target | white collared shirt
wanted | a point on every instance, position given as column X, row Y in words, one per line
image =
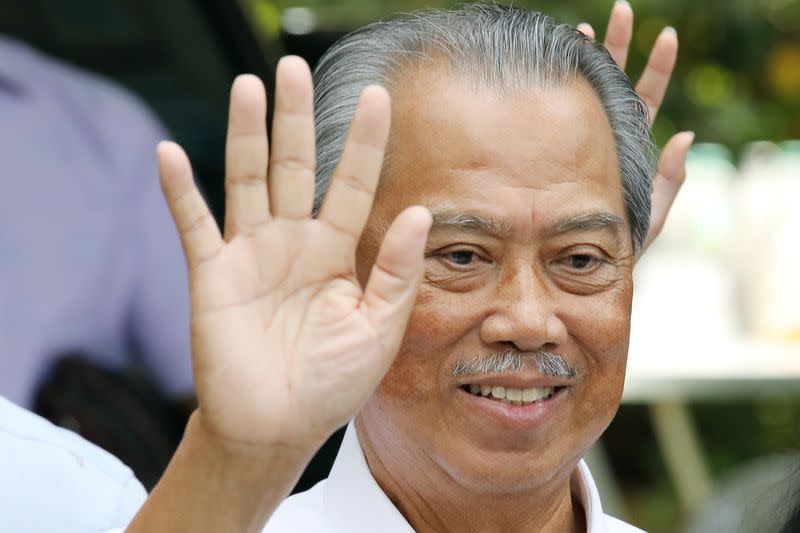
column 53, row 480
column 350, row 501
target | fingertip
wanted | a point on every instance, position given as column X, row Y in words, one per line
column 294, row 91
column 247, row 81
column 687, row 138
column 668, row 36
column 162, row 155
column 249, row 91
column 248, row 105
column 173, row 165
column 169, row 154
column 684, row 140
column 293, row 65
column 422, row 215
column 586, row 29
column 162, row 147
column 376, row 99
column 419, row 218
column 416, row 221
column 403, row 247
column 673, row 158
column 622, row 7
column 379, row 91
column 372, row 117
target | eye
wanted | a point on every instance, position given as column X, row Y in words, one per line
column 459, row 267
column 581, row 264
column 461, row 257
column 580, row 261
column 585, row 270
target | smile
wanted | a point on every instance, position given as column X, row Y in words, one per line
column 511, row 395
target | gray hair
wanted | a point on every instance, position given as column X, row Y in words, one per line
column 504, row 48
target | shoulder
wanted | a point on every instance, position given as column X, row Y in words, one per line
column 20, row 427
column 82, row 486
column 97, row 105
column 301, row 512
column 33, row 70
column 616, row 525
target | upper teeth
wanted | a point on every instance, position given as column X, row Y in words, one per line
column 517, row 396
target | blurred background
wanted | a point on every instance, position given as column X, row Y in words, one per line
column 708, row 436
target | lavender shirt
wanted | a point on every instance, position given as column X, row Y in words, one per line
column 89, row 258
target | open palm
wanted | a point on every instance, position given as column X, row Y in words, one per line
column 285, row 344
column 651, row 87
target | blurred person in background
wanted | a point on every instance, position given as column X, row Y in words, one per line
column 54, row 481
column 95, row 321
column 792, row 524
column 296, row 319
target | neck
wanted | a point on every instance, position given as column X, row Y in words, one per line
column 431, row 500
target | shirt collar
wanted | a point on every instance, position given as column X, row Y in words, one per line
column 355, row 502
column 583, row 481
column 353, row 499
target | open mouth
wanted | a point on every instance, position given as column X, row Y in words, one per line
column 510, row 395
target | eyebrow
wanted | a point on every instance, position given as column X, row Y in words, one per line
column 443, row 219
column 588, row 222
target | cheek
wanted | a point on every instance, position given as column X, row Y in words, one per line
column 433, row 335
column 602, row 326
column 603, row 339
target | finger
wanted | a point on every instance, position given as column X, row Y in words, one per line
column 349, row 198
column 619, row 32
column 668, row 181
column 292, row 162
column 653, row 84
column 246, row 203
column 586, row 29
column 392, row 286
column 198, row 231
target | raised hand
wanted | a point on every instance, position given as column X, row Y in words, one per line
column 285, row 344
column 651, row 88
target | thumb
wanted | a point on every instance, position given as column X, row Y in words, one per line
column 392, row 286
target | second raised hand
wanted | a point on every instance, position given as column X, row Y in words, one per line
column 286, row 345
column 651, row 87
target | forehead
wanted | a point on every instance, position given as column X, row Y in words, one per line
column 452, row 141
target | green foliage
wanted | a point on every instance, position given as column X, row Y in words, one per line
column 738, row 73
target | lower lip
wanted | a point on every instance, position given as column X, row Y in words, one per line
column 515, row 417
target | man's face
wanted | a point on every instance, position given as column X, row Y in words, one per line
column 530, row 251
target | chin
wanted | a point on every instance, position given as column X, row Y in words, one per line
column 508, row 472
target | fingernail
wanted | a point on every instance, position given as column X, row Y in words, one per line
column 621, row 3
column 286, row 59
column 691, row 137
column 670, row 29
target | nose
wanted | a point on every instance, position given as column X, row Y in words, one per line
column 523, row 313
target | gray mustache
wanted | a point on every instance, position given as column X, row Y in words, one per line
column 509, row 361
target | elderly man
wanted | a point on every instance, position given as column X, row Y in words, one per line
column 490, row 249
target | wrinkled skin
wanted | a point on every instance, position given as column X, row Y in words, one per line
column 483, row 293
